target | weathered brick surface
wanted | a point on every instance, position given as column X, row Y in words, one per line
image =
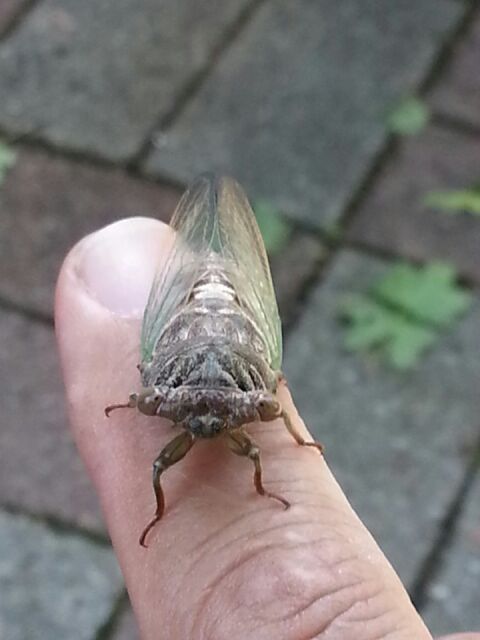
column 454, row 594
column 48, row 203
column 458, row 91
column 127, row 628
column 292, row 268
column 296, row 108
column 394, row 216
column 393, row 439
column 41, row 470
column 96, row 76
column 53, row 585
column 8, row 10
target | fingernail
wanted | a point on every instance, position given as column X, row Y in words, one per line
column 117, row 264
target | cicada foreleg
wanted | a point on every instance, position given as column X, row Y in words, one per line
column 269, row 408
column 172, row 453
column 241, row 445
column 296, row 435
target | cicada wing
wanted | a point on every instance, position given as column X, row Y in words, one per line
column 174, row 280
column 214, row 219
column 242, row 246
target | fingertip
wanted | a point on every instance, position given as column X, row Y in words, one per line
column 114, row 267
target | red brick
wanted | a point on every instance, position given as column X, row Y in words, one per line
column 41, row 470
column 8, row 9
column 458, row 92
column 47, row 204
column 394, row 217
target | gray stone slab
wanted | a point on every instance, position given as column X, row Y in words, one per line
column 458, row 91
column 53, row 586
column 292, row 268
column 47, row 204
column 394, row 217
column 127, row 628
column 455, row 592
column 296, row 109
column 394, row 440
column 96, row 76
column 40, row 469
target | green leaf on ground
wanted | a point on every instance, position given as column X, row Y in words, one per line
column 404, row 312
column 409, row 117
column 7, row 160
column 275, row 230
column 454, row 202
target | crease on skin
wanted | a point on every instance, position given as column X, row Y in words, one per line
column 399, row 632
column 203, row 604
column 211, row 589
column 208, row 545
column 324, row 595
column 319, row 595
column 281, row 546
column 337, row 616
column 247, row 536
column 253, row 514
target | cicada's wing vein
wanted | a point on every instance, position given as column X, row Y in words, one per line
column 175, row 279
column 242, row 245
column 214, row 220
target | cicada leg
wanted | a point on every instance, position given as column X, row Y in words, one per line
column 297, row 437
column 281, row 379
column 172, row 453
column 241, row 445
column 131, row 404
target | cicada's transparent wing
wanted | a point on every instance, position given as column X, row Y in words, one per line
column 174, row 280
column 241, row 244
column 215, row 221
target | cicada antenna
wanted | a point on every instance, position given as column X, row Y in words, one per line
column 131, row 404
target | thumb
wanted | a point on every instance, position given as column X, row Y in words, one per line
column 223, row 562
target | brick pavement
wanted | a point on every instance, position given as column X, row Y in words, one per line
column 294, row 106
column 9, row 11
column 453, row 601
column 304, row 139
column 394, row 216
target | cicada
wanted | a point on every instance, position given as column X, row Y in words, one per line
column 211, row 345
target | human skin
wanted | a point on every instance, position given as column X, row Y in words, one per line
column 224, row 562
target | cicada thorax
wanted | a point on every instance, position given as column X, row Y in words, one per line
column 210, row 358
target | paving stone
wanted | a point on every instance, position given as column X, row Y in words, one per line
column 291, row 270
column 296, row 108
column 453, row 604
column 53, row 586
column 394, row 216
column 9, row 9
column 97, row 76
column 127, row 628
column 41, row 470
column 47, row 203
column 393, row 439
column 458, row 92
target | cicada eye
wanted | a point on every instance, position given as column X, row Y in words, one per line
column 148, row 401
column 268, row 408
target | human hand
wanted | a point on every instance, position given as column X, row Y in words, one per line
column 223, row 562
